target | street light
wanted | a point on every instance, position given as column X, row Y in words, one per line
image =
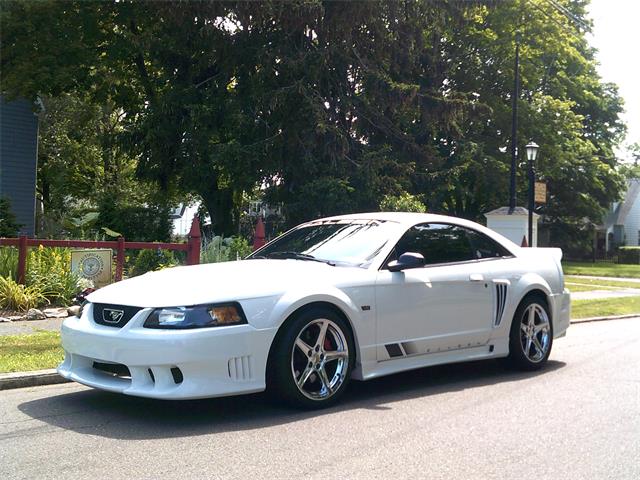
column 532, row 153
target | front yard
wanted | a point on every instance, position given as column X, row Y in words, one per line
column 601, row 269
column 605, row 307
column 35, row 351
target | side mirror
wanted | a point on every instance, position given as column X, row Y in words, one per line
column 407, row 260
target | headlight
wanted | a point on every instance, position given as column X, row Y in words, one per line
column 196, row 317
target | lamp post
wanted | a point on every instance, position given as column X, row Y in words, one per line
column 532, row 153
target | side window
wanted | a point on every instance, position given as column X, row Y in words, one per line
column 485, row 247
column 437, row 242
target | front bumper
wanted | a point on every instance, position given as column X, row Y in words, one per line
column 560, row 313
column 212, row 362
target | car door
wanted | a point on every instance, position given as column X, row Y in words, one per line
column 445, row 305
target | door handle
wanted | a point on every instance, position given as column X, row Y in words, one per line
column 476, row 277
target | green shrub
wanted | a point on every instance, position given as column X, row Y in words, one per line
column 135, row 223
column 220, row 249
column 629, row 255
column 151, row 260
column 8, row 225
column 49, row 269
column 8, row 262
column 20, row 297
column 240, row 248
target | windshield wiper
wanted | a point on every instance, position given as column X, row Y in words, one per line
column 298, row 256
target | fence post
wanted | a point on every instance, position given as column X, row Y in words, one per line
column 258, row 238
column 120, row 259
column 22, row 259
column 193, row 251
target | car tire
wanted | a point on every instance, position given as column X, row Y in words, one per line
column 309, row 370
column 531, row 334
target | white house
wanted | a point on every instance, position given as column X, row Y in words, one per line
column 621, row 225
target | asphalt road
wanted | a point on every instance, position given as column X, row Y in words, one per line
column 579, row 418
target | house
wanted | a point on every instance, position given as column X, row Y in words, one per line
column 621, row 225
column 18, row 160
column 182, row 216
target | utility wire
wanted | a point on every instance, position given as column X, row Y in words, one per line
column 568, row 14
column 551, row 17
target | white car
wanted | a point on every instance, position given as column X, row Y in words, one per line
column 349, row 297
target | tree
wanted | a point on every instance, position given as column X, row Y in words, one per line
column 404, row 202
column 329, row 106
column 563, row 105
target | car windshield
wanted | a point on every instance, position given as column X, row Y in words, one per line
column 349, row 242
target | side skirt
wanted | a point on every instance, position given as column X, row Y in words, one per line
column 496, row 348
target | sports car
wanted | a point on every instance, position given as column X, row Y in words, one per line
column 351, row 297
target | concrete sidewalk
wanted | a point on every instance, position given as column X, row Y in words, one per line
column 594, row 277
column 602, row 294
column 21, row 327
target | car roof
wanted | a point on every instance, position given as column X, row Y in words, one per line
column 409, row 219
column 405, row 218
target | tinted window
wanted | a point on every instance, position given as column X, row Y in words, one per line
column 485, row 247
column 438, row 243
column 353, row 242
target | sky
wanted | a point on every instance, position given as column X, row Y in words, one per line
column 616, row 35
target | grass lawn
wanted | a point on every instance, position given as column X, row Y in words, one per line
column 601, row 269
column 581, row 287
column 605, row 307
column 576, row 283
column 35, row 351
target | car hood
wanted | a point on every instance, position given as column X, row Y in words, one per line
column 219, row 282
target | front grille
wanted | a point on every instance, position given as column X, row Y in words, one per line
column 113, row 315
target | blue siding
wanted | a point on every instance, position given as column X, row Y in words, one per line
column 18, row 160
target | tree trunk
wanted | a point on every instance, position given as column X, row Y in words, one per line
column 219, row 204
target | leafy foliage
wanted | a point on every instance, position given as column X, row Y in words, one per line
column 151, row 260
column 220, row 249
column 18, row 297
column 8, row 262
column 328, row 105
column 404, row 202
column 9, row 226
column 49, row 279
column 49, row 270
column 135, row 222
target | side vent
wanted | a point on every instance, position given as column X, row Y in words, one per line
column 500, row 300
column 240, row 368
column 394, row 350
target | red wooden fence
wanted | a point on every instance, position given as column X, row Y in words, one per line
column 192, row 247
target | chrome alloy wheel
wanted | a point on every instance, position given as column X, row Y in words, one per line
column 320, row 359
column 535, row 333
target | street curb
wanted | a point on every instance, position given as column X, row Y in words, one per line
column 604, row 319
column 30, row 379
column 51, row 377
